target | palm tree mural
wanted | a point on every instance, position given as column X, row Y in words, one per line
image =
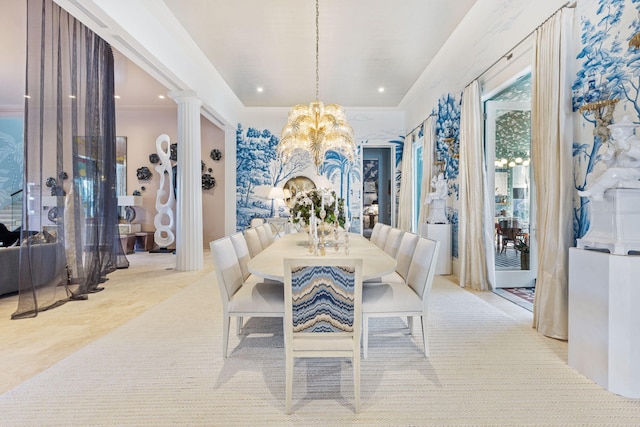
column 337, row 167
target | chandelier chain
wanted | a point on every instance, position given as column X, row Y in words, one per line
column 317, row 49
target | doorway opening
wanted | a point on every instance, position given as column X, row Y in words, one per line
column 508, row 151
column 376, row 190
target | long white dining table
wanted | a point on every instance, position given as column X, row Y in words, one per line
column 270, row 262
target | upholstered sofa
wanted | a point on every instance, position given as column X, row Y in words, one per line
column 43, row 256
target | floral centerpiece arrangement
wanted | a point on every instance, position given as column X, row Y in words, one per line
column 305, row 201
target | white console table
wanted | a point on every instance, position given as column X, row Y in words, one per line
column 442, row 234
column 604, row 319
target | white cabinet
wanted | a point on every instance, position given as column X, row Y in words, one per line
column 604, row 320
column 442, row 234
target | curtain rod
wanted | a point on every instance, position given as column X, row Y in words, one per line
column 510, row 53
column 421, row 123
column 568, row 5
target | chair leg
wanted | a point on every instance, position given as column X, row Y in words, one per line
column 365, row 335
column 289, row 382
column 225, row 334
column 356, row 380
column 423, row 322
column 410, row 324
column 239, row 324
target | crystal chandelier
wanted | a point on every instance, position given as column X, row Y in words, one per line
column 317, row 128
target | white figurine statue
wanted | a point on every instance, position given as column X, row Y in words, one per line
column 622, row 159
column 437, row 200
column 440, row 186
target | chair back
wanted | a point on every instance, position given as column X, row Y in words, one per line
column 375, row 233
column 253, row 241
column 393, row 241
column 256, row 222
column 263, row 236
column 423, row 267
column 405, row 253
column 382, row 236
column 227, row 268
column 269, row 231
column 322, row 296
column 242, row 252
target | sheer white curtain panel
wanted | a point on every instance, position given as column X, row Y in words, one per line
column 427, row 162
column 552, row 138
column 476, row 222
column 405, row 202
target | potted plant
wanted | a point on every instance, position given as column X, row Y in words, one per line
column 522, row 246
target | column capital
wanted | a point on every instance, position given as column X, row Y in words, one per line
column 185, row 96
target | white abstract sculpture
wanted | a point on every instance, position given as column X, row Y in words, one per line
column 437, row 200
column 622, row 159
column 163, row 221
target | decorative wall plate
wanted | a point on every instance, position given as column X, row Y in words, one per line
column 143, row 173
column 154, row 158
column 208, row 182
column 216, row 154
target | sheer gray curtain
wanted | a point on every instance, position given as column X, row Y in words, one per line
column 551, row 143
column 476, row 222
column 68, row 248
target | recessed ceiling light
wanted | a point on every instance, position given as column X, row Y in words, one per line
column 161, row 96
column 260, row 89
column 72, row 96
column 116, row 96
column 380, row 89
column 27, row 96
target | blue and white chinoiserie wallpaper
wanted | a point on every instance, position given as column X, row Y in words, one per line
column 258, row 169
column 608, row 68
column 447, row 140
column 11, row 157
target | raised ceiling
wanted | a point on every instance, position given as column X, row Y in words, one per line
column 364, row 45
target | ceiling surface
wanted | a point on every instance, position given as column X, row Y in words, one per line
column 364, row 45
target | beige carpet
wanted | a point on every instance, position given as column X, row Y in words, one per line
column 164, row 367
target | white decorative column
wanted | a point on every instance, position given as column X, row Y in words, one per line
column 189, row 253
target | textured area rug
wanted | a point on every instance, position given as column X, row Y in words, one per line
column 522, row 296
column 165, row 367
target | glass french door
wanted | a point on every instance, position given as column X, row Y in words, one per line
column 508, row 151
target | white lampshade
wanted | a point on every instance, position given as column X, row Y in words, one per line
column 129, row 200
column 276, row 193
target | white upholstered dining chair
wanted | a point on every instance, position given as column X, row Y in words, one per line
column 253, row 241
column 263, row 235
column 322, row 313
column 242, row 298
column 381, row 241
column 375, row 233
column 399, row 299
column 393, row 241
column 242, row 252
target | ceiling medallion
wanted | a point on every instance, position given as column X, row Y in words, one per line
column 317, row 128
